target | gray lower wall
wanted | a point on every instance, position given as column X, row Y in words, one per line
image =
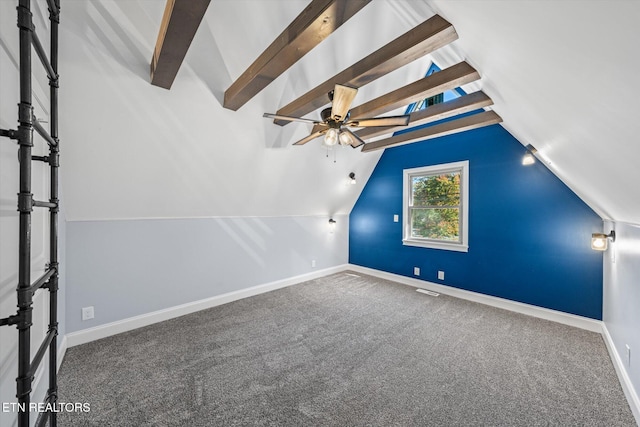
column 621, row 308
column 125, row 268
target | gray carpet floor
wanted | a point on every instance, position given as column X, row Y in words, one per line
column 346, row 350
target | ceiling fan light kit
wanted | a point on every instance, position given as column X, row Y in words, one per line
column 336, row 119
column 331, row 137
column 345, row 138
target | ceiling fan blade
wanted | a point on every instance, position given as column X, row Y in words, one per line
column 309, row 137
column 342, row 99
column 291, row 119
column 355, row 139
column 380, row 121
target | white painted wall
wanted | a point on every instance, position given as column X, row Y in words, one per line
column 132, row 267
column 621, row 311
column 9, row 217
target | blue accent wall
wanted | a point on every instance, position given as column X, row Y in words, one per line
column 529, row 234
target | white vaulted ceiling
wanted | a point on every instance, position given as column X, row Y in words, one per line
column 561, row 74
column 136, row 150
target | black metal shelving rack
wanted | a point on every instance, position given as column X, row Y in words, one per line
column 49, row 280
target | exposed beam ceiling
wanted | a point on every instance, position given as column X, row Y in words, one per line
column 315, row 23
column 180, row 22
column 461, row 105
column 447, row 79
column 432, row 34
column 423, row 39
column 473, row 121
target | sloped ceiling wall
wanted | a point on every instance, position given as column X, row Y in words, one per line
column 133, row 150
column 561, row 74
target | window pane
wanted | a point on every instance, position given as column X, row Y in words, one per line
column 436, row 190
column 436, row 206
column 436, row 223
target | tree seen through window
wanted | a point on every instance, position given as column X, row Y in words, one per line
column 435, row 207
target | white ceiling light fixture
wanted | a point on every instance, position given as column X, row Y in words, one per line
column 352, row 178
column 529, row 158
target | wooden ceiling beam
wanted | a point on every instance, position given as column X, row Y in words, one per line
column 314, row 24
column 180, row 22
column 427, row 37
column 461, row 105
column 447, row 79
column 462, row 124
column 436, row 83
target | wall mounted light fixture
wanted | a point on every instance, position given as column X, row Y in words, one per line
column 529, row 158
column 352, row 178
column 332, row 225
column 599, row 241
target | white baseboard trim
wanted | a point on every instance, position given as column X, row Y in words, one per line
column 518, row 307
column 625, row 381
column 92, row 334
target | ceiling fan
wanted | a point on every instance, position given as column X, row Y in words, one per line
column 335, row 120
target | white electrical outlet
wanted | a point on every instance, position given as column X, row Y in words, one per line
column 416, row 271
column 313, row 263
column 440, row 275
column 628, row 355
column 396, row 218
column 87, row 313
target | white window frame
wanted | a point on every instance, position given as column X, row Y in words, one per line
column 463, row 244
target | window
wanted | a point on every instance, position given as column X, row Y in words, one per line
column 436, row 206
column 436, row 99
column 427, row 102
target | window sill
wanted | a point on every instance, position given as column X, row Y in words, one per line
column 436, row 245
